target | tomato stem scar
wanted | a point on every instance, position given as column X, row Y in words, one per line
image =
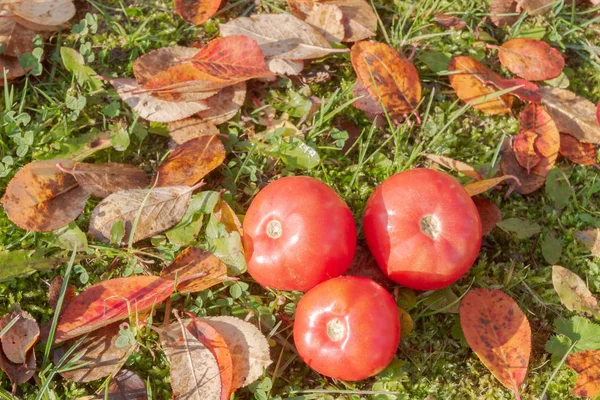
column 274, row 229
column 336, row 330
column 430, row 226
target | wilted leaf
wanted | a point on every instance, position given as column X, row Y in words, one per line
column 534, row 118
column 558, row 189
column 537, row 7
column 472, row 81
column 49, row 12
column 572, row 114
column 573, row 292
column 388, row 78
column 101, row 354
column 364, row 101
column 449, row 21
column 524, row 149
column 54, row 293
column 127, row 385
column 292, row 39
column 531, row 59
column 190, row 162
column 157, row 209
column 224, row 105
column 522, row 227
column 196, row 12
column 17, row 39
column 475, row 188
column 406, row 323
column 18, row 373
column 190, row 128
column 454, row 165
column 530, row 182
column 21, row 337
column 195, row 270
column 499, row 333
column 17, row 263
column 364, row 264
column 587, row 365
column 225, row 215
column 504, row 12
column 551, row 247
column 590, row 239
column 489, row 212
column 109, row 301
column 251, row 350
column 327, row 19
column 146, row 67
column 10, row 67
column 525, row 90
column 576, row 151
column 285, row 67
column 41, row 198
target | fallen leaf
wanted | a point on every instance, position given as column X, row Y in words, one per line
column 475, row 188
column 364, row 264
column 364, row 101
column 327, row 19
column 472, row 82
column 489, row 212
column 224, row 105
column 293, row 39
column 525, row 90
column 529, row 182
column 388, row 78
column 503, row 12
column 54, row 293
column 523, row 228
column 190, row 128
column 99, row 354
column 499, row 333
column 127, row 385
column 587, row 365
column 573, row 291
column 194, row 370
column 19, row 263
column 449, row 21
column 406, row 323
column 250, row 353
column 16, row 39
column 572, row 114
column 109, row 301
column 195, row 270
column 20, row 338
column 531, row 59
column 10, row 67
column 524, row 149
column 285, row 67
column 454, row 165
column 158, row 209
column 146, row 67
column 41, row 198
column 590, row 239
column 196, row 12
column 538, row 139
column 536, row 7
column 17, row 373
column 101, row 180
column 50, row 12
column 190, row 162
column 576, row 151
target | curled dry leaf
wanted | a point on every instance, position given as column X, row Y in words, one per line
column 572, row 114
column 225, row 215
column 327, row 19
column 454, row 165
column 449, row 21
column 190, row 128
column 196, row 12
column 101, row 355
column 42, row 198
column 524, row 90
column 590, row 239
column 109, row 301
column 531, row 59
column 587, row 365
column 489, row 212
column 250, row 353
column 364, row 264
column 224, row 105
column 475, row 188
column 195, row 270
column 573, row 292
column 101, row 180
column 54, row 293
column 472, row 82
column 127, row 385
column 190, row 162
column 576, row 151
column 17, row 373
column 499, row 333
column 158, row 209
column 20, row 338
column 387, row 77
column 504, row 12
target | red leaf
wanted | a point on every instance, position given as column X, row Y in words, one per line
column 196, row 12
column 531, row 59
column 527, row 92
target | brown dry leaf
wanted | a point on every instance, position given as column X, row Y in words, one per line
column 501, row 10
column 21, row 337
column 196, row 12
column 54, row 293
column 587, row 365
column 225, row 215
column 365, row 102
column 590, row 239
column 195, row 270
column 524, row 149
column 151, row 108
column 194, row 370
column 41, row 198
column 158, row 210
column 364, row 264
column 531, row 59
column 573, row 291
column 224, row 105
column 489, row 212
column 101, row 180
column 127, row 385
column 530, row 182
column 572, row 114
column 536, row 7
column 327, row 19
column 449, row 21
column 50, row 12
column 190, row 162
column 472, row 81
column 454, row 165
column 10, row 67
column 285, row 67
column 576, row 151
column 21, row 372
column 190, row 128
column 146, row 67
column 101, row 354
column 475, row 188
column 388, row 77
column 499, row 333
column 249, row 348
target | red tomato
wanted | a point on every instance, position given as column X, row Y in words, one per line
column 422, row 228
column 347, row 328
column 298, row 233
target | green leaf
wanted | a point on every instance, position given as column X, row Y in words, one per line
column 119, row 137
column 81, row 147
column 576, row 329
column 299, row 105
column 436, row 61
column 551, row 248
column 117, row 232
column 520, row 226
column 444, row 299
column 70, row 236
column 573, row 291
column 229, row 250
column 75, row 63
column 14, row 264
column 188, row 228
column 296, row 154
column 561, row 81
column 557, row 189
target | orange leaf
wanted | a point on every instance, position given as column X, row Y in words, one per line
column 499, row 333
column 109, row 301
column 538, row 139
column 524, row 148
column 387, row 77
column 489, row 212
column 527, row 91
column 196, row 12
column 587, row 365
column 455, row 165
column 472, row 81
column 475, row 188
column 531, row 59
column 195, row 270
column 531, row 181
column 576, row 151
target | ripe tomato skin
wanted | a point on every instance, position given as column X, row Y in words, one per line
column 317, row 234
column 364, row 316
column 393, row 221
